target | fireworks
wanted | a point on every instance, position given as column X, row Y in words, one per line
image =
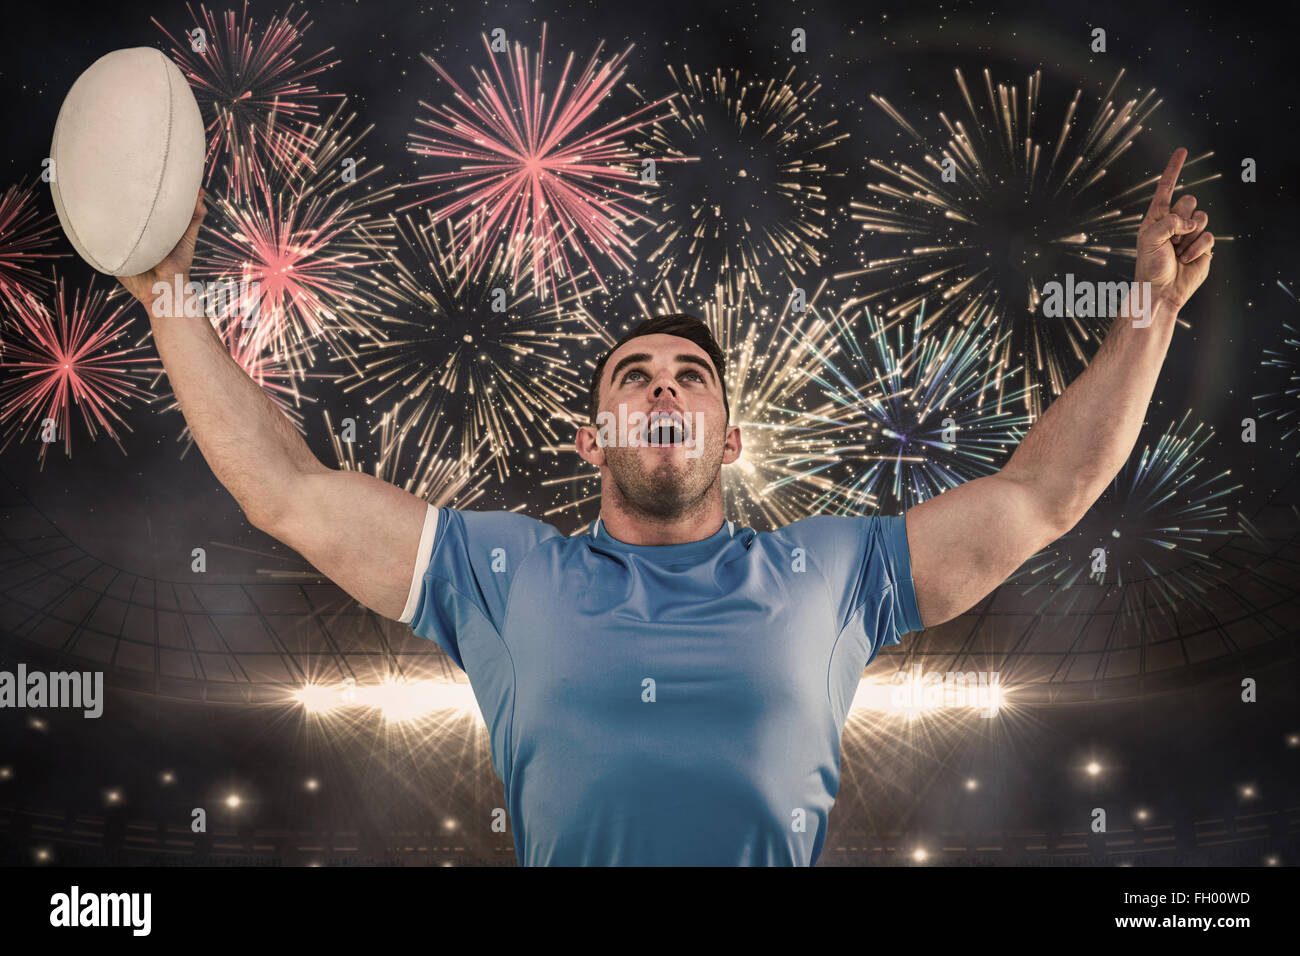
column 994, row 215
column 576, row 492
column 437, row 476
column 922, row 409
column 789, row 448
column 484, row 354
column 1285, row 359
column 24, row 232
column 256, row 92
column 741, row 166
column 549, row 174
column 300, row 241
column 73, row 356
column 1147, row 539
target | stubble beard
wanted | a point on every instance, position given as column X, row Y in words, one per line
column 666, row 491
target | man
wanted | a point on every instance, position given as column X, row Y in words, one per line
column 669, row 688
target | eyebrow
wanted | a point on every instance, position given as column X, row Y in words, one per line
column 645, row 357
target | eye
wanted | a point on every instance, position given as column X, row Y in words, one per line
column 629, row 375
column 698, row 376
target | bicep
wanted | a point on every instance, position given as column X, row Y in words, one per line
column 360, row 532
column 968, row 540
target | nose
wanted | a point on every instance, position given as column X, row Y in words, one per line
column 661, row 388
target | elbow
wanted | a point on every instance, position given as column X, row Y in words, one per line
column 1051, row 513
column 1058, row 519
column 267, row 513
column 271, row 512
column 263, row 520
column 1060, row 527
column 1064, row 516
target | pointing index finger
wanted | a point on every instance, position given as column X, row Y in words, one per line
column 1165, row 188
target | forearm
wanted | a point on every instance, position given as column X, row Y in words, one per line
column 246, row 440
column 1083, row 439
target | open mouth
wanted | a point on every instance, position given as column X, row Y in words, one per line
column 665, row 429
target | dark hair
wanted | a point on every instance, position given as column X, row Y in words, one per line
column 682, row 324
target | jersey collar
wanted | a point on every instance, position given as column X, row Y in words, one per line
column 603, row 538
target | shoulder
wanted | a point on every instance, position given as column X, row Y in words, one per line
column 482, row 539
column 830, row 541
column 831, row 528
column 511, row 526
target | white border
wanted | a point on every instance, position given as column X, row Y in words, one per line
column 421, row 564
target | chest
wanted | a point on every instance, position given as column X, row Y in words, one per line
column 622, row 643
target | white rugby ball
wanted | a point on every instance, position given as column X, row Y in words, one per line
column 128, row 157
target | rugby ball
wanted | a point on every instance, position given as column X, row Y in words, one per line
column 127, row 160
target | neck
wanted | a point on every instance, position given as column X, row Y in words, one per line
column 632, row 525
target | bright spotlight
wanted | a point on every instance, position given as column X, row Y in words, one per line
column 112, row 796
column 312, row 784
column 317, row 698
column 1093, row 768
column 917, row 694
column 233, row 801
column 395, row 698
column 403, row 700
column 919, row 855
column 972, row 784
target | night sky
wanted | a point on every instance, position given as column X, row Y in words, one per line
column 1220, row 81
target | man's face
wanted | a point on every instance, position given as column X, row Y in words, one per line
column 666, row 390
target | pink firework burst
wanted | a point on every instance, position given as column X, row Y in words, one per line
column 24, row 233
column 75, row 355
column 255, row 90
column 533, row 169
column 298, row 241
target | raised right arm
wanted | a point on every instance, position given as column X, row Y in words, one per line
column 359, row 531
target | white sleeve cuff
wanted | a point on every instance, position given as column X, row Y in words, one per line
column 421, row 564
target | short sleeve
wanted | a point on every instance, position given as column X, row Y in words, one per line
column 867, row 567
column 465, row 565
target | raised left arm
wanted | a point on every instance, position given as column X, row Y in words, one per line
column 968, row 540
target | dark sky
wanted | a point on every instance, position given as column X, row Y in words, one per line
column 1222, row 78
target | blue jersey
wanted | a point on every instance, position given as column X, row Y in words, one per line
column 664, row 704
